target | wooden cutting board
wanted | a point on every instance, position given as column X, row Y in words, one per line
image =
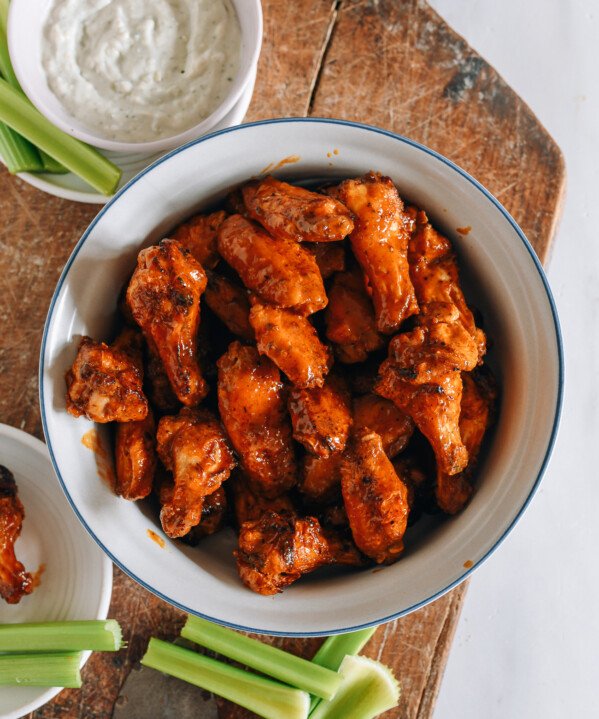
column 392, row 63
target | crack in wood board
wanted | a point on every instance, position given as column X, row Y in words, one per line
column 323, row 55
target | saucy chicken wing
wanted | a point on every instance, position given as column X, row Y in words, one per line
column 199, row 236
column 320, row 478
column 164, row 298
column 375, row 498
column 157, row 384
column 135, row 457
column 279, row 271
column 294, row 213
column 230, row 304
column 291, row 342
column 193, row 447
column 380, row 243
column 212, row 520
column 249, row 506
column 381, row 416
column 253, row 407
column 105, row 384
column 15, row 582
column 330, row 258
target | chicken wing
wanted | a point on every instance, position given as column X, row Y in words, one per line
column 330, row 257
column 230, row 304
column 253, row 407
column 321, row 417
column 375, row 498
column 199, row 236
column 212, row 520
column 164, row 298
column 320, row 479
column 15, row 582
column 135, row 457
column 291, row 342
column 279, row 271
column 380, row 243
column 350, row 320
column 193, row 447
column 249, row 506
column 294, row 213
column 381, row 416
column 157, row 384
column 105, row 385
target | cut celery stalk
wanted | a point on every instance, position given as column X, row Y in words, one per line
column 260, row 695
column 18, row 154
column 83, row 160
column 3, row 14
column 100, row 635
column 269, row 660
column 41, row 670
column 51, row 165
column 368, row 688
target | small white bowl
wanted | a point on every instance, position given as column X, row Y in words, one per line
column 77, row 580
column 25, row 26
column 503, row 278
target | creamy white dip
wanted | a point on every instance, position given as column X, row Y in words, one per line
column 141, row 70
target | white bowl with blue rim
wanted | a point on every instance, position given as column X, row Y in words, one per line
column 503, row 278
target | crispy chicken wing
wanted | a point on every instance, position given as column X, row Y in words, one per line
column 279, row 271
column 135, row 457
column 249, row 506
column 199, row 236
column 330, row 257
column 230, row 304
column 350, row 320
column 375, row 498
column 294, row 213
column 320, row 478
column 212, row 520
column 380, row 243
column 253, row 407
column 193, row 447
column 381, row 416
column 291, row 342
column 321, row 417
column 15, row 582
column 105, row 384
column 164, row 297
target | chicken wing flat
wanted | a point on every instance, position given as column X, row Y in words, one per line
column 279, row 271
column 292, row 343
column 15, row 582
column 212, row 520
column 375, row 498
column 329, row 257
column 230, row 304
column 349, row 317
column 105, row 384
column 253, row 407
column 164, row 298
column 249, row 506
column 294, row 213
column 320, row 479
column 380, row 243
column 194, row 448
column 321, row 417
column 135, row 457
column 381, row 416
column 199, row 236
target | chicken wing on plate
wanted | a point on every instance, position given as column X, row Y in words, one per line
column 164, row 298
column 330, row 257
column 320, row 478
column 249, row 506
column 294, row 213
column 230, row 304
column 194, row 448
column 279, row 271
column 15, row 582
column 199, row 236
column 381, row 416
column 135, row 457
column 159, row 388
column 253, row 407
column 212, row 520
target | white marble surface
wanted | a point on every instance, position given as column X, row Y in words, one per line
column 527, row 644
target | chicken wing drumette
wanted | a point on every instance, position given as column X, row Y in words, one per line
column 135, row 457
column 381, row 416
column 15, row 582
column 213, row 517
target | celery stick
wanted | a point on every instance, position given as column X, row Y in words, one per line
column 262, row 696
column 6, row 69
column 51, row 165
column 41, row 670
column 368, row 688
column 269, row 660
column 83, row 160
column 102, row 635
column 3, row 14
column 18, row 154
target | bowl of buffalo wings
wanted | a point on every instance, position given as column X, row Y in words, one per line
column 313, row 376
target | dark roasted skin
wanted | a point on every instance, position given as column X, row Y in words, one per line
column 291, row 342
column 249, row 506
column 164, row 298
column 105, row 384
column 381, row 416
column 329, row 257
column 320, row 479
column 194, row 448
column 375, row 498
column 294, row 213
column 230, row 304
column 15, row 582
column 135, row 457
column 199, row 236
column 213, row 518
column 279, row 271
column 350, row 320
column 253, row 406
column 380, row 243
column 321, row 417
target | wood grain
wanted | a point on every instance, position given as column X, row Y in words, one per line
column 393, row 63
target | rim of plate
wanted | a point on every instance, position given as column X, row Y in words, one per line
column 558, row 339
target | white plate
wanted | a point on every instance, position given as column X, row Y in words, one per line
column 77, row 579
